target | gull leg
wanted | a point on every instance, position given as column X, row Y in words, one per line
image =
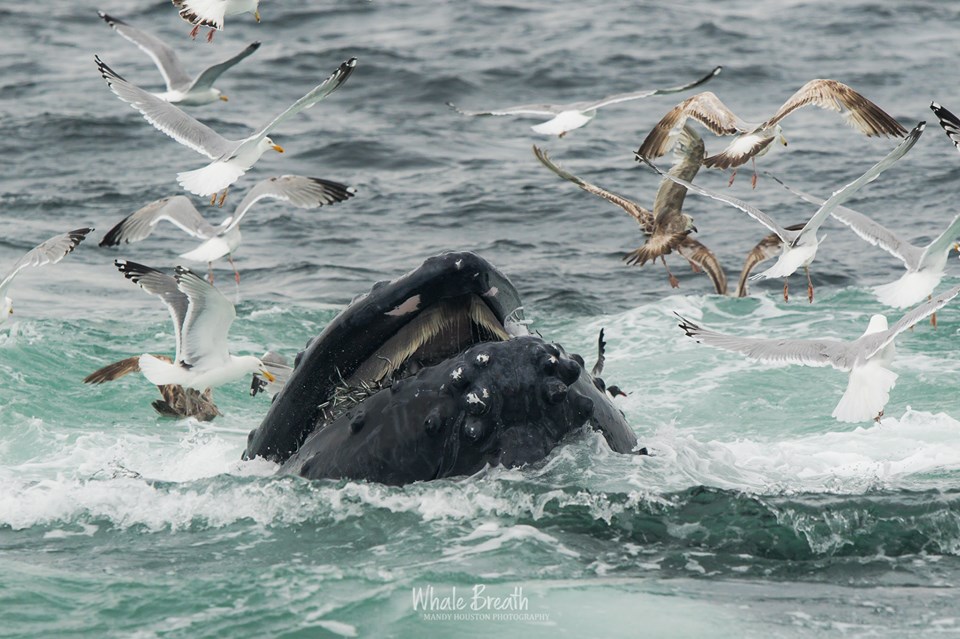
column 210, row 35
column 562, row 134
column 879, row 415
column 809, row 284
column 210, row 272
column 194, row 31
column 213, row 199
column 733, row 176
column 236, row 273
column 786, row 295
column 674, row 282
column 223, row 196
column 753, row 180
column 933, row 317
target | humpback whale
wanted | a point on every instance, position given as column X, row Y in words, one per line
column 432, row 375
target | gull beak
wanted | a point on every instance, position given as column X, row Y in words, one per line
column 783, row 140
column 694, row 229
column 224, row 98
column 256, row 15
column 266, row 374
column 278, row 148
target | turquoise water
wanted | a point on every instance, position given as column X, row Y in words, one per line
column 757, row 515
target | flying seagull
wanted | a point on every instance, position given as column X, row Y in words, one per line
column 231, row 158
column 755, row 139
column 201, row 320
column 866, row 359
column 765, row 249
column 800, row 247
column 181, row 87
column 567, row 117
column 223, row 239
column 924, row 264
column 210, row 13
column 177, row 402
column 666, row 227
column 48, row 252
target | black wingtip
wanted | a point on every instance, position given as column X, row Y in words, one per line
column 688, row 327
column 716, row 70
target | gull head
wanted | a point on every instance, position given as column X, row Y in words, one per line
column 245, row 364
column 878, row 323
column 220, row 95
column 688, row 223
column 267, row 143
column 780, row 136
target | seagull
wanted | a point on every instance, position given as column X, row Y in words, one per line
column 755, row 139
column 666, row 228
column 765, row 249
column 867, row 358
column 48, row 252
column 201, row 320
column 231, row 158
column 181, row 88
column 223, row 239
column 210, row 13
column 800, row 247
column 178, row 402
column 924, row 264
column 567, row 117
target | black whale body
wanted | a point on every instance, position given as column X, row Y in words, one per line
column 477, row 391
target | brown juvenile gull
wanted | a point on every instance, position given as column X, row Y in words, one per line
column 567, row 117
column 666, row 227
column 755, row 139
column 866, row 359
column 49, row 252
column 799, row 248
column 178, row 402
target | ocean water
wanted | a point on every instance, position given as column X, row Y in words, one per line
column 757, row 516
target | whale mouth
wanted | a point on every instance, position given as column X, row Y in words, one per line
column 437, row 333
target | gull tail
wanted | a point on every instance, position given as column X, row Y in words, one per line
column 158, row 371
column 911, row 288
column 566, row 121
column 868, row 391
column 210, row 179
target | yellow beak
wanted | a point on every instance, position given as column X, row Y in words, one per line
column 783, row 140
column 278, row 148
column 266, row 374
column 256, row 15
column 224, row 98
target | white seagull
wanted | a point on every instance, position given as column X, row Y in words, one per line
column 48, row 252
column 800, row 247
column 181, row 87
column 201, row 320
column 567, row 117
column 866, row 358
column 223, row 239
column 925, row 265
column 211, row 13
column 755, row 139
column 231, row 158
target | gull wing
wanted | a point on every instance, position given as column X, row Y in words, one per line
column 870, row 175
column 601, row 355
column 165, row 287
column 526, row 109
column 48, row 252
column 116, row 370
column 178, row 210
column 209, row 75
column 689, row 154
column 943, row 242
column 175, row 76
column 697, row 253
column 821, row 352
column 643, row 217
column 862, row 114
column 168, row 118
column 949, row 122
column 750, row 210
column 875, row 342
column 706, row 108
column 315, row 95
column 302, row 192
column 636, row 95
column 868, row 230
column 207, row 322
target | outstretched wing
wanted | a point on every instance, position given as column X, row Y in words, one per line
column 207, row 322
column 48, row 252
column 704, row 258
column 706, row 108
column 178, row 210
column 636, row 95
column 163, row 56
column 168, row 118
column 875, row 342
column 949, row 122
column 209, row 75
column 862, row 114
column 163, row 286
column 302, row 192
